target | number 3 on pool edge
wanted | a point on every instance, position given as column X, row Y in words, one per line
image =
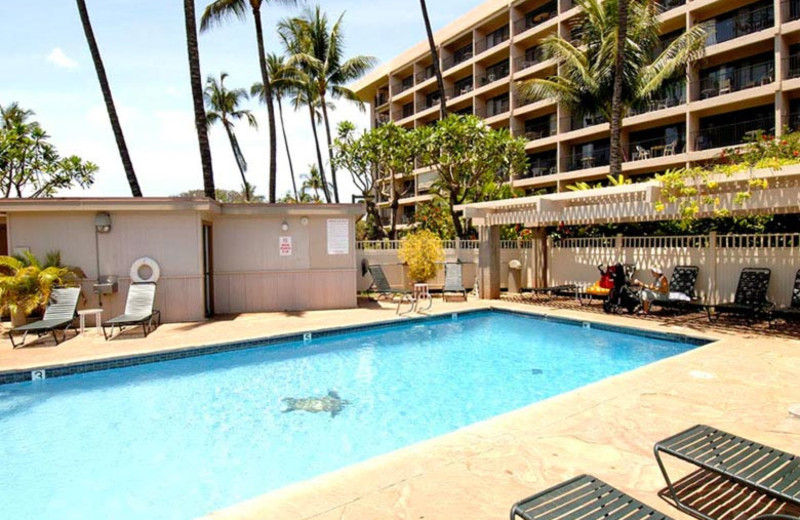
column 38, row 375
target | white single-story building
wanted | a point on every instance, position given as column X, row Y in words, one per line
column 213, row 258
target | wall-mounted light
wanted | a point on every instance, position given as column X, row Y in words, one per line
column 102, row 222
column 285, row 226
column 304, row 221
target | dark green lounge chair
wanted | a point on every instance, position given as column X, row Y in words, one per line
column 682, row 288
column 751, row 295
column 583, row 498
column 381, row 286
column 766, row 470
column 139, row 310
column 567, row 289
column 59, row 315
column 792, row 312
column 452, row 281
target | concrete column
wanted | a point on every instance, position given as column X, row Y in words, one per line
column 711, row 261
column 489, row 262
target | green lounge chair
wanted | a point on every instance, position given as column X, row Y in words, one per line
column 452, row 281
column 583, row 498
column 59, row 315
column 766, row 470
column 751, row 295
column 792, row 312
column 381, row 286
column 567, row 289
column 139, row 310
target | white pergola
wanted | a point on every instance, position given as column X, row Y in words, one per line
column 618, row 204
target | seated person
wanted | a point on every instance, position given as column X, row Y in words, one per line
column 658, row 290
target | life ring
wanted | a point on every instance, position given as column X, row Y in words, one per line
column 155, row 271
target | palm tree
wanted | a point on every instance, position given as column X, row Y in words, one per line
column 200, row 123
column 216, row 12
column 616, row 96
column 223, row 107
column 303, row 92
column 585, row 83
column 319, row 52
column 284, row 81
column 313, row 181
column 105, row 88
column 435, row 59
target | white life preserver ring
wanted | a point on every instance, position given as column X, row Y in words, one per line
column 155, row 271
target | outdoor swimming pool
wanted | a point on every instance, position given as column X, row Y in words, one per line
column 179, row 439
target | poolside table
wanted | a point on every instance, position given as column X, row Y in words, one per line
column 98, row 319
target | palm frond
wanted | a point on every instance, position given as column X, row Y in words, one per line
column 220, row 11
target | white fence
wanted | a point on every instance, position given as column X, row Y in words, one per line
column 719, row 258
column 465, row 252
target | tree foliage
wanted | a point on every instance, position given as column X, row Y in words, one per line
column 26, row 282
column 226, row 196
column 469, row 159
column 30, row 166
column 421, row 250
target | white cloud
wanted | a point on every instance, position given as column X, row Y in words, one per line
column 60, row 59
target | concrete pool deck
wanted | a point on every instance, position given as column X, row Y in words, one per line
column 741, row 383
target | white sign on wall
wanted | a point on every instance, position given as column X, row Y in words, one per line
column 338, row 236
column 285, row 246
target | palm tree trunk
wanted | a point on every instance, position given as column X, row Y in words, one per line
column 435, row 58
column 288, row 153
column 197, row 98
column 237, row 154
column 319, row 155
column 330, row 147
column 615, row 158
column 109, row 100
column 262, row 59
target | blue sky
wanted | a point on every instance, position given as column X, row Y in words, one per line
column 46, row 67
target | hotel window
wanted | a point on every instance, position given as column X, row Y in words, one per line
column 497, row 105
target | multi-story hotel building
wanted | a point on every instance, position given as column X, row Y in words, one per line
column 749, row 79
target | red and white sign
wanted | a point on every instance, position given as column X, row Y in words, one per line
column 285, row 246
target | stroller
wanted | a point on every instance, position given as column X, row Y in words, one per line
column 621, row 297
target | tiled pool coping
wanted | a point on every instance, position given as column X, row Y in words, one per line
column 19, row 376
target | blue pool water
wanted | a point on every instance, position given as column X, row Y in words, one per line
column 179, row 439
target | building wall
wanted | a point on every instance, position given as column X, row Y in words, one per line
column 171, row 239
column 251, row 275
column 775, row 89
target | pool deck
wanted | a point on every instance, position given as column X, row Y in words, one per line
column 742, row 383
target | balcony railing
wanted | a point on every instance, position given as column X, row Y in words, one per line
column 791, row 10
column 731, row 134
column 642, row 149
column 529, row 60
column 585, row 121
column 793, row 66
column 658, row 104
column 794, row 120
column 535, row 18
column 452, row 61
column 484, row 44
column 748, row 22
column 401, row 87
column 493, row 109
column 424, row 75
column 540, row 167
column 451, row 93
column 666, row 5
column 491, row 77
column 381, row 99
column 580, row 160
column 538, row 131
column 738, row 79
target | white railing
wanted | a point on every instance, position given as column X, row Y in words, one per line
column 666, row 242
column 766, row 241
column 393, row 245
column 585, row 242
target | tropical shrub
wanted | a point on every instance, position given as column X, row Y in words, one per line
column 421, row 251
column 26, row 282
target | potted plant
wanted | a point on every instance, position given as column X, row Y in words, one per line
column 421, row 251
column 26, row 282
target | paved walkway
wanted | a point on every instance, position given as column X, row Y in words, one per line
column 743, row 383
